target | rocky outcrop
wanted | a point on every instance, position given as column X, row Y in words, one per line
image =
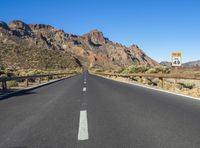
column 19, row 25
column 4, row 29
column 40, row 26
column 95, row 38
column 142, row 58
column 3, row 25
column 90, row 50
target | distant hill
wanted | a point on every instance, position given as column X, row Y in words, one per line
column 166, row 63
column 192, row 64
column 42, row 46
column 187, row 64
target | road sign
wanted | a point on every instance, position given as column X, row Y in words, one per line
column 176, row 59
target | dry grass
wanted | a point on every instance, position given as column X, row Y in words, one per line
column 182, row 86
column 185, row 87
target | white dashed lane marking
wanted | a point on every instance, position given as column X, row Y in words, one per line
column 84, row 88
column 83, row 126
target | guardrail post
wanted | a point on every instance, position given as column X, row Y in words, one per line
column 130, row 77
column 26, row 82
column 140, row 79
column 40, row 79
column 175, row 82
column 162, row 82
column 4, row 86
column 48, row 79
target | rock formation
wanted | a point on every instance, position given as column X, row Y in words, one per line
column 44, row 41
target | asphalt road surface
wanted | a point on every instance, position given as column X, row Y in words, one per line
column 87, row 111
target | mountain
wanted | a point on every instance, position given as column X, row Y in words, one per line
column 166, row 63
column 42, row 46
column 187, row 64
column 192, row 64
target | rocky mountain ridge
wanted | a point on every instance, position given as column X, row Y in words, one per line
column 43, row 46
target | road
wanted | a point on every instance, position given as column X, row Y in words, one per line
column 87, row 111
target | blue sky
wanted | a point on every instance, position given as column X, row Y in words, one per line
column 157, row 26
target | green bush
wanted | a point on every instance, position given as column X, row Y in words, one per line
column 99, row 70
column 159, row 69
column 163, row 69
column 36, row 72
column 151, row 70
column 12, row 84
column 30, row 72
column 119, row 70
column 135, row 69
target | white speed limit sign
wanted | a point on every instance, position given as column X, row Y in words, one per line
column 176, row 58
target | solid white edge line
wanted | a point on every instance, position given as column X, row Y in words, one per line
column 83, row 126
column 148, row 87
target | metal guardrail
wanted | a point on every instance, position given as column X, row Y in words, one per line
column 160, row 76
column 4, row 80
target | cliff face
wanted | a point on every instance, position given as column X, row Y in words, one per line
column 39, row 45
column 141, row 57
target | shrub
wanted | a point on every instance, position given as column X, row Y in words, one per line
column 159, row 69
column 2, row 72
column 99, row 70
column 135, row 69
column 162, row 69
column 119, row 70
column 31, row 72
column 152, row 70
column 12, row 84
column 188, row 85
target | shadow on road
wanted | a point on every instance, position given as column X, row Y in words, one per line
column 15, row 93
column 8, row 91
column 19, row 147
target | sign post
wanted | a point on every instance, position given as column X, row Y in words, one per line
column 176, row 62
